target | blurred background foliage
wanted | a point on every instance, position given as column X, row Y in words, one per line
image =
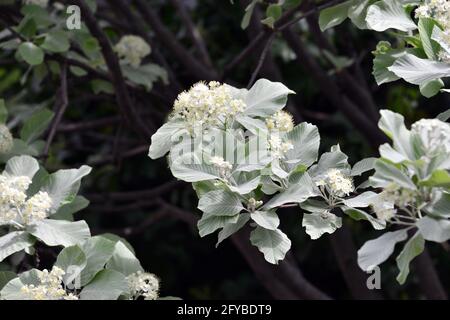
column 93, row 133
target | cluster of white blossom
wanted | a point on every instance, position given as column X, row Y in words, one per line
column 253, row 204
column 6, row 139
column 438, row 10
column 206, row 105
column 50, row 287
column 337, row 183
column 393, row 196
column 40, row 3
column 223, row 166
column 143, row 284
column 281, row 121
column 434, row 134
column 278, row 147
column 15, row 208
column 132, row 49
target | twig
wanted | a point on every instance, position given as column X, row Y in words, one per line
column 61, row 103
column 261, row 60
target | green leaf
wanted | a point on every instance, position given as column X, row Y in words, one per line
column 248, row 13
column 123, row 260
column 72, row 260
column 437, row 230
column 107, row 285
column 66, row 211
column 296, row 193
column 389, row 14
column 362, row 200
column 3, row 112
column 56, row 41
column 412, row 249
column 31, row 53
column 386, row 173
column 62, row 186
column 145, row 75
column 431, row 88
column 393, row 125
column 14, row 242
column 335, row 159
column 220, row 203
column 439, row 178
column 183, row 168
column 60, row 232
column 419, row 71
column 374, row 252
column 358, row 215
column 306, row 140
column 431, row 47
column 381, row 63
column 335, row 15
column 164, row 138
column 274, row 244
column 266, row 219
column 358, row 12
column 232, row 228
column 99, row 86
column 98, row 251
column 318, row 223
column 21, row 166
column 209, row 224
column 362, row 166
column 265, row 98
column 444, row 116
column 36, row 125
column 440, row 205
column 5, row 277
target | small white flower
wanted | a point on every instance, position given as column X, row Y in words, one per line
column 435, row 135
column 49, row 287
column 223, row 166
column 208, row 105
column 281, row 121
column 6, row 139
column 143, row 284
column 132, row 49
column 337, row 182
column 15, row 208
column 278, row 147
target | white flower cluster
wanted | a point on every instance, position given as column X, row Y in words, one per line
column 6, row 139
column 50, row 287
column 15, row 208
column 338, row 184
column 132, row 49
column 439, row 10
column 40, row 3
column 281, row 121
column 435, row 135
column 223, row 166
column 206, row 105
column 393, row 195
column 143, row 284
column 278, row 147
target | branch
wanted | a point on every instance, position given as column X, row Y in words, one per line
column 193, row 32
column 118, row 81
column 332, row 92
column 60, row 106
column 166, row 37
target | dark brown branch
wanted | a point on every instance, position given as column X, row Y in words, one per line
column 428, row 278
column 261, row 60
column 61, row 103
column 118, row 81
column 193, row 32
column 165, row 36
column 366, row 126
